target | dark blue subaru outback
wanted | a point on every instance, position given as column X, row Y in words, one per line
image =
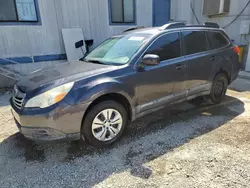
column 125, row 77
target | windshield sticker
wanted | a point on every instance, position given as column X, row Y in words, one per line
column 137, row 38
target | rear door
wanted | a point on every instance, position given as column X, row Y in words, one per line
column 199, row 61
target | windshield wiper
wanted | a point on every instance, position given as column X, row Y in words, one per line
column 94, row 61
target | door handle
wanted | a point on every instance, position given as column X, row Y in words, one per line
column 180, row 67
column 213, row 58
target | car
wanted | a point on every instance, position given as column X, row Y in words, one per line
column 126, row 77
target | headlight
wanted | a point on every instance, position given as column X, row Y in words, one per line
column 50, row 97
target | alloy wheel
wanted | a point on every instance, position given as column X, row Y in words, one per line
column 106, row 125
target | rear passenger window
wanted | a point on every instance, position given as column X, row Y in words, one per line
column 166, row 47
column 195, row 42
column 218, row 40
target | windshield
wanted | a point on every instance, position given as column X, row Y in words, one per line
column 118, row 50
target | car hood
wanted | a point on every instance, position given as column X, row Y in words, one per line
column 62, row 73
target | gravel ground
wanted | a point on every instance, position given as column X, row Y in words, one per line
column 188, row 145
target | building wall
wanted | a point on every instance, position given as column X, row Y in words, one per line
column 46, row 39
column 180, row 10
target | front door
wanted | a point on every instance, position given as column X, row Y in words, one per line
column 163, row 83
column 161, row 12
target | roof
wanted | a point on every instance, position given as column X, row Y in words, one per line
column 169, row 26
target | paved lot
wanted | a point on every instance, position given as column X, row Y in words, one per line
column 190, row 145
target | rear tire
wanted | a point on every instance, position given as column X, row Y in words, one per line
column 218, row 90
column 104, row 124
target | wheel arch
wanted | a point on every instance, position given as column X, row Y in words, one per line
column 118, row 97
column 223, row 68
column 224, row 65
column 225, row 71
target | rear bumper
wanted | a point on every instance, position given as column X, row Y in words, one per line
column 235, row 75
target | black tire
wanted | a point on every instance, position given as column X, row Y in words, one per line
column 86, row 130
column 218, row 90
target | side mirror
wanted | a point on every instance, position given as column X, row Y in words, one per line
column 151, row 60
column 79, row 44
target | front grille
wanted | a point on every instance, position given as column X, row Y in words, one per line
column 18, row 97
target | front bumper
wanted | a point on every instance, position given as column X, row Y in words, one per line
column 62, row 123
column 45, row 134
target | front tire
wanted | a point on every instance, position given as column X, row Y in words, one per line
column 219, row 89
column 104, row 124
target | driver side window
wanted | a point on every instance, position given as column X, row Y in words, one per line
column 166, row 47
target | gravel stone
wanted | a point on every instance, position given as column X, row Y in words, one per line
column 188, row 145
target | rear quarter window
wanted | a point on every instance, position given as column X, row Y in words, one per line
column 218, row 39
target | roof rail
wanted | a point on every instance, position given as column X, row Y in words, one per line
column 211, row 24
column 133, row 28
column 173, row 25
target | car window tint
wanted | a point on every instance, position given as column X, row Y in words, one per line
column 195, row 42
column 218, row 39
column 166, row 47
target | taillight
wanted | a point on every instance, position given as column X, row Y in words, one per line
column 237, row 50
